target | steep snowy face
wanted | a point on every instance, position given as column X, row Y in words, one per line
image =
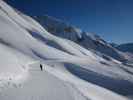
column 69, row 67
column 21, row 33
column 85, row 39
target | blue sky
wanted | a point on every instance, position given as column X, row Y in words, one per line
column 111, row 19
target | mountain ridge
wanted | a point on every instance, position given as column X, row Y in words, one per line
column 85, row 39
column 126, row 47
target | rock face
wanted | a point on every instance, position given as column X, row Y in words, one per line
column 85, row 39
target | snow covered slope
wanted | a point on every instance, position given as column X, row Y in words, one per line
column 85, row 39
column 71, row 72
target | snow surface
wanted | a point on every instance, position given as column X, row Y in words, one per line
column 86, row 39
column 25, row 44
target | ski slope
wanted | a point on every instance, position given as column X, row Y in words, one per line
column 24, row 44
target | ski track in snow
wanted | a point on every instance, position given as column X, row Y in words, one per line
column 40, row 79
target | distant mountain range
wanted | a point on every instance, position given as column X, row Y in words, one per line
column 128, row 47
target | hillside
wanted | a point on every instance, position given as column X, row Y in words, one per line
column 70, row 71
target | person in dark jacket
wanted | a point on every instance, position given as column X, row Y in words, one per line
column 41, row 67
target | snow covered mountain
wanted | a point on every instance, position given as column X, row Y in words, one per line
column 85, row 39
column 128, row 47
column 128, row 50
column 71, row 72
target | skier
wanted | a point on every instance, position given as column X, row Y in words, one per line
column 41, row 67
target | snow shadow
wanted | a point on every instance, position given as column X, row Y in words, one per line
column 48, row 42
column 122, row 87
